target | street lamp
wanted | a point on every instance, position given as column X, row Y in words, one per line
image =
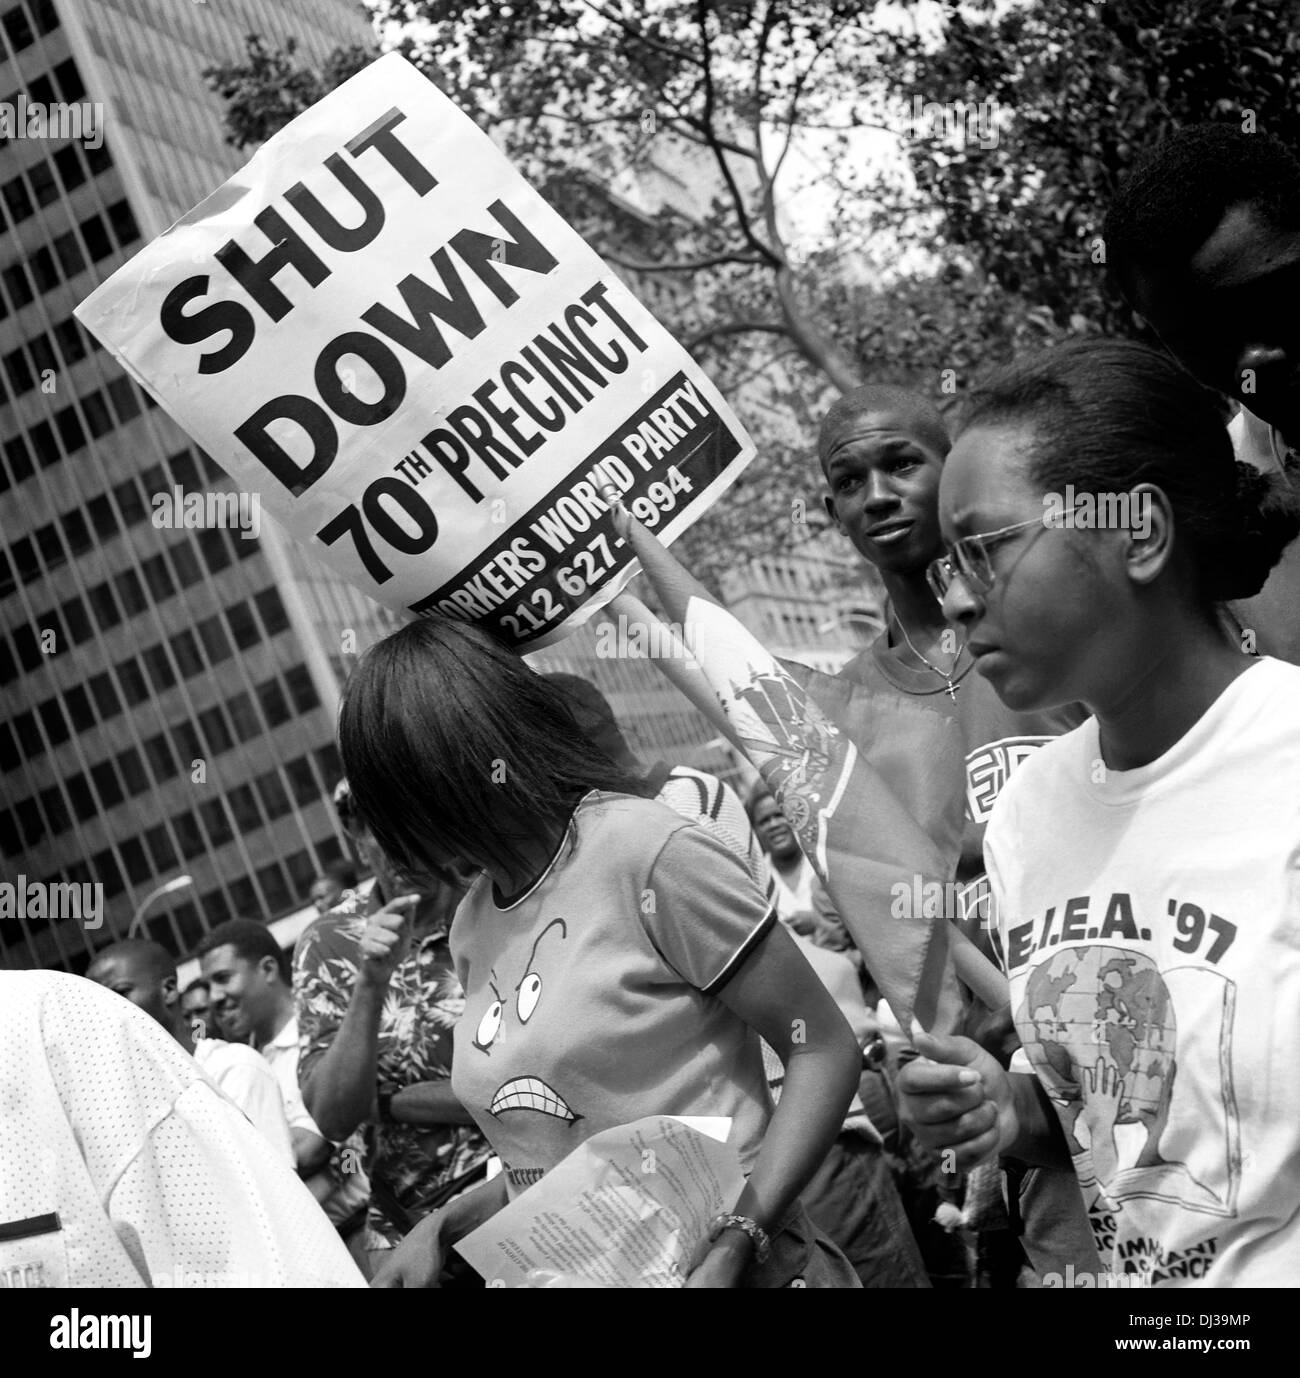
column 167, row 888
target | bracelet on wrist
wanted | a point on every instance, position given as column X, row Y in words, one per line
column 748, row 1225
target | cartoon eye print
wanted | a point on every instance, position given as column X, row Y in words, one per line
column 489, row 1026
column 530, row 992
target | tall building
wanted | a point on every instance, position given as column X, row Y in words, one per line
column 166, row 696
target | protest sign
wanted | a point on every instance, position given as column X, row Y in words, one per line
column 423, row 371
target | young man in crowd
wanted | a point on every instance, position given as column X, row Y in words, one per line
column 144, row 972
column 252, row 995
column 1203, row 239
column 194, row 1006
column 125, row 1167
column 328, row 887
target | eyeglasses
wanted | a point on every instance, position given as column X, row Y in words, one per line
column 970, row 559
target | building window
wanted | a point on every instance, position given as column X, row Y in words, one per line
column 274, row 617
column 302, row 782
column 77, row 703
column 244, row 807
column 159, row 667
column 162, row 760
column 272, row 794
column 274, row 704
column 56, row 725
column 215, row 730
column 105, row 696
column 301, row 689
column 160, row 849
column 106, row 784
column 186, row 650
column 133, row 773
column 216, row 822
column 138, row 869
column 277, row 892
column 132, row 592
column 243, row 626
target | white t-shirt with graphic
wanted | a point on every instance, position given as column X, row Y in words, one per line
column 1150, row 921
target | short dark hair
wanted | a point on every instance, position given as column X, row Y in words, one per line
column 251, row 940
column 1110, row 414
column 199, row 983
column 142, row 953
column 344, row 872
column 1179, row 191
column 756, row 796
column 455, row 749
column 923, row 419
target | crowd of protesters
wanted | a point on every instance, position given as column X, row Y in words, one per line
column 541, row 937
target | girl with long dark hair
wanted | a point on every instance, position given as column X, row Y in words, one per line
column 618, row 961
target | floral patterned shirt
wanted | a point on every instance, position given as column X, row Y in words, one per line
column 421, row 1006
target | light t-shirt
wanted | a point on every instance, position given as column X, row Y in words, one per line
column 246, row 1077
column 1151, row 924
column 121, row 1165
column 591, row 1000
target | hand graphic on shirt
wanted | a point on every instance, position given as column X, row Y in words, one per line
column 1103, row 1092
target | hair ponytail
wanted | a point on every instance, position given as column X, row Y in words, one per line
column 1264, row 519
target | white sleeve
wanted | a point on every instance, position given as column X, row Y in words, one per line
column 202, row 1204
column 252, row 1085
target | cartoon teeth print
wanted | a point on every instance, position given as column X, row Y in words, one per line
column 527, row 1092
column 530, row 1093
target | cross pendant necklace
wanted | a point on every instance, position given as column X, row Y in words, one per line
column 950, row 687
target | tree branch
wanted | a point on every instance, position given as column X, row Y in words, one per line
column 686, row 265
column 735, row 328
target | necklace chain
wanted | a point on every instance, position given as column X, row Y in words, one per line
column 945, row 675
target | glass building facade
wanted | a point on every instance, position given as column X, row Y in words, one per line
column 167, row 696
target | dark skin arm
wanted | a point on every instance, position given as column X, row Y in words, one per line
column 339, row 1092
column 428, row 1103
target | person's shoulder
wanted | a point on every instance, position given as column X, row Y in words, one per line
column 630, row 816
column 1271, row 689
column 341, row 926
column 217, row 1057
column 1049, row 767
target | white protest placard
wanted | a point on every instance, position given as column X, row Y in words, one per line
column 424, row 373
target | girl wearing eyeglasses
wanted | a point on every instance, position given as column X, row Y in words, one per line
column 1144, row 866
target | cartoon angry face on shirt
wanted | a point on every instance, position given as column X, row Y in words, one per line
column 518, row 1003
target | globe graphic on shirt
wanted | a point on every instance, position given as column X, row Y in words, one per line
column 1089, row 1006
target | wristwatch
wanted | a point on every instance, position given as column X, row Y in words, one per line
column 762, row 1245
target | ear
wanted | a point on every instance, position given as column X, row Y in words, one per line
column 170, row 992
column 269, row 968
column 1150, row 533
column 828, row 502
